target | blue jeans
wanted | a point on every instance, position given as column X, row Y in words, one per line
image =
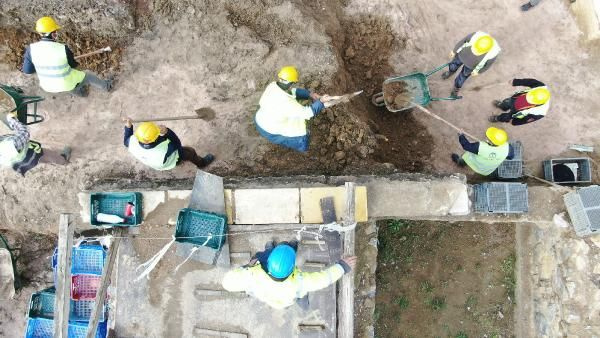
column 298, row 143
column 463, row 75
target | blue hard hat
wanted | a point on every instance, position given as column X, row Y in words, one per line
column 282, row 261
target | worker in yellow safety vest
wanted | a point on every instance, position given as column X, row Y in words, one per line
column 55, row 65
column 476, row 53
column 281, row 119
column 272, row 277
column 482, row 157
column 19, row 152
column 524, row 106
column 159, row 147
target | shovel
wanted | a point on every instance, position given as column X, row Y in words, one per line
column 329, row 101
column 204, row 113
column 98, row 51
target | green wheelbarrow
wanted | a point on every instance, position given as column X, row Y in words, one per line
column 414, row 90
column 13, row 100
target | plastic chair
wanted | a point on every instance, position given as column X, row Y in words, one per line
column 14, row 100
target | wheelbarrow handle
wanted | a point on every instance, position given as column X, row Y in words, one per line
column 437, row 69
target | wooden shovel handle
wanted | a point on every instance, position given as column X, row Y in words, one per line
column 167, row 119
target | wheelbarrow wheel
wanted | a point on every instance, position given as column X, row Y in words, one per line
column 377, row 100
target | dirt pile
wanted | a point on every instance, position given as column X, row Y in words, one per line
column 104, row 64
column 397, row 95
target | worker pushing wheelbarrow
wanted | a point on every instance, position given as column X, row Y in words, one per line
column 405, row 92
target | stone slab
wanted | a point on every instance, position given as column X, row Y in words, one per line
column 207, row 194
column 406, row 199
column 267, row 206
column 7, row 277
column 200, row 332
column 310, row 208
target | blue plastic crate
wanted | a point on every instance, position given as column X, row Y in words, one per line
column 114, row 203
column 41, row 305
column 85, row 259
column 44, row 328
column 88, row 259
column 79, row 330
column 199, row 225
column 39, row 328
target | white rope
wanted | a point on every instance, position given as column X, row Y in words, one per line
column 194, row 249
column 150, row 264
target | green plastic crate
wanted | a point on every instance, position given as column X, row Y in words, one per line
column 114, row 203
column 198, row 224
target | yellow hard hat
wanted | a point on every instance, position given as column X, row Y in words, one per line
column 496, row 135
column 288, row 73
column 482, row 45
column 539, row 95
column 46, row 25
column 147, row 132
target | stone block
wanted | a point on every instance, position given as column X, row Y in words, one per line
column 7, row 277
column 398, row 199
column 267, row 206
column 310, row 208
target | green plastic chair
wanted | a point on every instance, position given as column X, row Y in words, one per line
column 12, row 99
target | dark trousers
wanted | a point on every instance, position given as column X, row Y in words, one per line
column 463, row 75
column 189, row 154
column 508, row 106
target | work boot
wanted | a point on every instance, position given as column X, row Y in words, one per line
column 526, row 7
column 66, row 153
column 208, row 159
column 81, row 91
column 493, row 118
column 497, row 103
column 446, row 75
column 459, row 161
column 454, row 92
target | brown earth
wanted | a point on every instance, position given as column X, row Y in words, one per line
column 104, row 64
column 396, row 95
column 33, row 252
column 438, row 279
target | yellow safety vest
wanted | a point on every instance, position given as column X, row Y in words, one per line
column 255, row 282
column 535, row 110
column 52, row 67
column 9, row 154
column 281, row 114
column 154, row 157
column 476, row 62
column 487, row 159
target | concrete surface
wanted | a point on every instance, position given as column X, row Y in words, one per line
column 183, row 304
column 7, row 277
column 310, row 207
column 407, row 199
column 267, row 206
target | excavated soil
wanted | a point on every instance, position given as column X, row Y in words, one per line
column 17, row 40
column 397, row 95
column 356, row 137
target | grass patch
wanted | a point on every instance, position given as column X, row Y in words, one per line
column 461, row 334
column 397, row 226
column 509, row 279
column 402, row 302
column 426, row 287
column 436, row 303
column 470, row 302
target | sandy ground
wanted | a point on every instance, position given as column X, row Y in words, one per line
column 221, row 56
